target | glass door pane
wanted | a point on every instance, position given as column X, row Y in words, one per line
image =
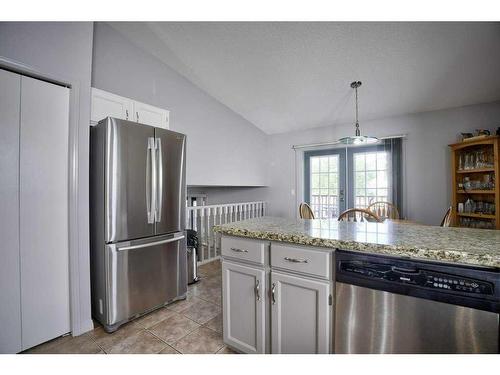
column 369, row 176
column 325, row 182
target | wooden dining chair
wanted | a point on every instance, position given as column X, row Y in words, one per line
column 359, row 215
column 305, row 211
column 446, row 222
column 384, row 210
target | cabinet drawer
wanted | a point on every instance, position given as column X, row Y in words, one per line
column 311, row 262
column 249, row 250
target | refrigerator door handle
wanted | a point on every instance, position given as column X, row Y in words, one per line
column 151, row 181
column 149, row 244
column 159, row 160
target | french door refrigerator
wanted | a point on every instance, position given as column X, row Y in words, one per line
column 137, row 211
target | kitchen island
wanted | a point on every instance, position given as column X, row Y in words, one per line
column 279, row 282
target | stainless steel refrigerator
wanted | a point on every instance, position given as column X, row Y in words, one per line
column 137, row 219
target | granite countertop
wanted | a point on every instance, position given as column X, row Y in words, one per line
column 457, row 245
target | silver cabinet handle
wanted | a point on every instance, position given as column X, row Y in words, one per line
column 296, row 260
column 137, row 115
column 257, row 289
column 126, row 114
column 273, row 293
column 239, row 250
column 149, row 244
column 159, row 162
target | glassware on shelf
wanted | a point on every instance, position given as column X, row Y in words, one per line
column 468, row 206
column 486, row 183
column 466, row 183
column 480, row 160
column 475, row 160
column 476, row 207
column 477, row 223
column 461, row 162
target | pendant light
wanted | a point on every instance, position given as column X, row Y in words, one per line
column 358, row 139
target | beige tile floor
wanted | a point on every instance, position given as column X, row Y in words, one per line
column 191, row 326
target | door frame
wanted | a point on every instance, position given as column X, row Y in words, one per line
column 342, row 173
column 78, row 238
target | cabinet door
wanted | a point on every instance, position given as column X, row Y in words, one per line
column 149, row 115
column 300, row 315
column 105, row 104
column 43, row 187
column 10, row 297
column 243, row 302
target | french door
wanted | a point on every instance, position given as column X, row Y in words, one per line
column 342, row 178
column 325, row 182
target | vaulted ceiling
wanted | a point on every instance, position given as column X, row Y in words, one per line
column 290, row 76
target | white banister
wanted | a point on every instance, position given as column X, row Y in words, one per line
column 203, row 218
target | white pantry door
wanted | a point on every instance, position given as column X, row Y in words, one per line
column 44, row 211
column 10, row 304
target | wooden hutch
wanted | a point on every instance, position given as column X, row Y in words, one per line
column 475, row 182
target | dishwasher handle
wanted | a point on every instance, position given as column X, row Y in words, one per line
column 412, row 271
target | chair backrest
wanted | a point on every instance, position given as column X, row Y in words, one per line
column 447, row 218
column 384, row 210
column 359, row 215
column 305, row 211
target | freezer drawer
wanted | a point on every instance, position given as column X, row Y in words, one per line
column 142, row 275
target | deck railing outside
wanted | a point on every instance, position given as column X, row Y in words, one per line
column 203, row 218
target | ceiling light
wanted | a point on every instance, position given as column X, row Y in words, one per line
column 358, row 139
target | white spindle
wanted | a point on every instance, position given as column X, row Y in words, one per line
column 207, row 234
column 201, row 233
column 203, row 218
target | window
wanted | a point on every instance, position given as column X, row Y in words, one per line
column 353, row 177
column 371, row 178
column 324, row 192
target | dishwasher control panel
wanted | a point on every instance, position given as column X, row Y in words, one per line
column 417, row 276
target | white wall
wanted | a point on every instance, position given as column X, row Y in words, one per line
column 223, row 148
column 428, row 174
column 230, row 194
column 63, row 50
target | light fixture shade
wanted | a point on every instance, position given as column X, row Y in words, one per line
column 358, row 140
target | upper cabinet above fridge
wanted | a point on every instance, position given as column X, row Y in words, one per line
column 106, row 104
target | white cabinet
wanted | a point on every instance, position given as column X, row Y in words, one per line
column 149, row 115
column 34, row 270
column 278, row 298
column 244, row 307
column 301, row 315
column 106, row 104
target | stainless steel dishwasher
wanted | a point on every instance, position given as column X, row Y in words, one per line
column 393, row 305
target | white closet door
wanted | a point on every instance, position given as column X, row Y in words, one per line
column 10, row 304
column 44, row 211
